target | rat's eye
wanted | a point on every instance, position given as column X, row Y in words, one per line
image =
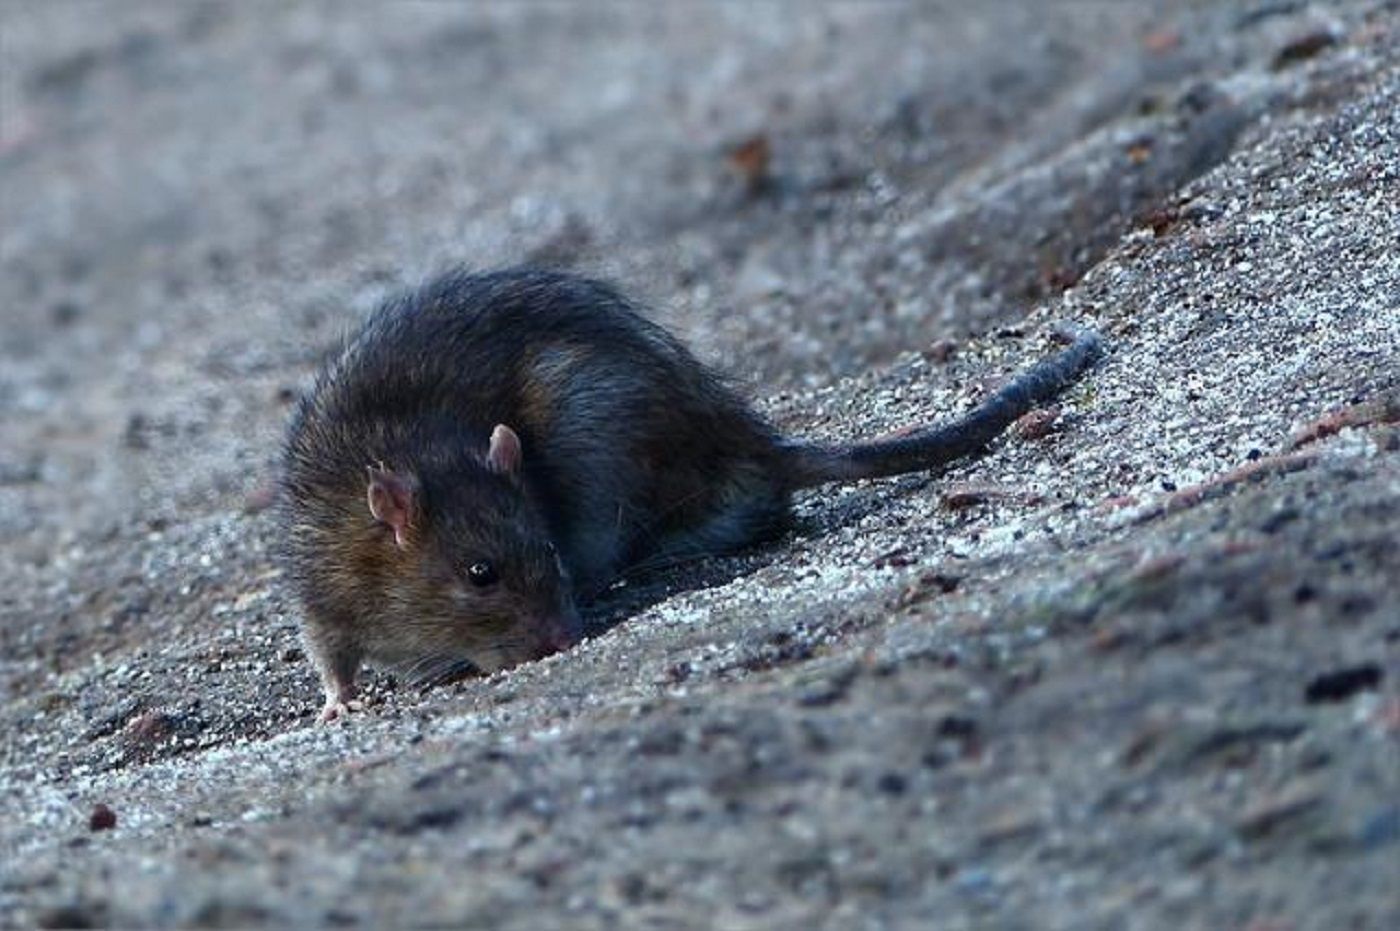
column 482, row 574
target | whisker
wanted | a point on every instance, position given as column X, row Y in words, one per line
column 431, row 669
column 424, row 665
column 450, row 671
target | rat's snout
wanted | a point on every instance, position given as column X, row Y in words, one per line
column 557, row 632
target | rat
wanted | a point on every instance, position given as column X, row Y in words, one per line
column 494, row 449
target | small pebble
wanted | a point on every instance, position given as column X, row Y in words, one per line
column 103, row 818
column 1038, row 423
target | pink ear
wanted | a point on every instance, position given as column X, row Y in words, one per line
column 504, row 455
column 391, row 501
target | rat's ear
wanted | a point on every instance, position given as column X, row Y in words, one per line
column 504, row 455
column 393, row 500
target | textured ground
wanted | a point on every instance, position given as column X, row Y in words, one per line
column 1142, row 670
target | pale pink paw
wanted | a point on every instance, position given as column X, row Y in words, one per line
column 336, row 709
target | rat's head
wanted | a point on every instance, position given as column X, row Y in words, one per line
column 474, row 575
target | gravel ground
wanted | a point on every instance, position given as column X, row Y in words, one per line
column 1139, row 666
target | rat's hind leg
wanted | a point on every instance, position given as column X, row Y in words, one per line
column 743, row 517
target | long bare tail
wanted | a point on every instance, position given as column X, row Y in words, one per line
column 927, row 448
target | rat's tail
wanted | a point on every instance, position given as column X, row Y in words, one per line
column 929, row 447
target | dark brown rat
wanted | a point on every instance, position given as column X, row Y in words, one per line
column 492, row 449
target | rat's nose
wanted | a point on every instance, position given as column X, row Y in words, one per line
column 560, row 631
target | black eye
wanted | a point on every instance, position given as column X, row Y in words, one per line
column 482, row 574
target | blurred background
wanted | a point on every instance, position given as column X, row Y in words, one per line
column 197, row 199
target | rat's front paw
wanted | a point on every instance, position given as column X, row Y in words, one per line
column 336, row 709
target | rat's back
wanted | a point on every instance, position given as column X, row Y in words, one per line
column 629, row 443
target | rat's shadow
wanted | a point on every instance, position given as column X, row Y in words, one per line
column 641, row 589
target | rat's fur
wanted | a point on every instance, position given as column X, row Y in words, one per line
column 535, row 420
